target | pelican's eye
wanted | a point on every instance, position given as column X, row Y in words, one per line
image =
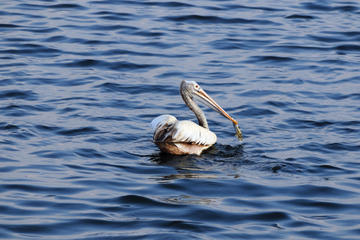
column 197, row 87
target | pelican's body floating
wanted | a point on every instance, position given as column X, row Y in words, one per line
column 186, row 137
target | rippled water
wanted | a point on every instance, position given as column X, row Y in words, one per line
column 80, row 82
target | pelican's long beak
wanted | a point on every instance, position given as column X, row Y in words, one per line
column 208, row 101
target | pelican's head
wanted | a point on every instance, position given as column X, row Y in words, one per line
column 193, row 89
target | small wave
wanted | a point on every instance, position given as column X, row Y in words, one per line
column 32, row 6
column 46, row 128
column 144, row 201
column 111, row 27
column 326, row 39
column 270, row 59
column 330, row 147
column 115, row 16
column 137, row 53
column 300, row 16
column 28, row 108
column 40, row 30
column 279, row 104
column 232, row 44
column 297, row 48
column 253, row 111
column 348, row 47
column 32, row 50
column 15, row 111
column 308, row 205
column 17, row 94
column 4, row 26
column 66, row 6
column 338, row 96
column 7, row 126
column 11, row 65
column 229, row 6
column 78, row 131
column 119, row 66
column 165, row 4
column 218, row 20
column 56, row 154
column 131, row 89
column 326, row 7
column 89, row 153
column 301, row 123
column 31, row 188
column 4, row 160
column 170, row 4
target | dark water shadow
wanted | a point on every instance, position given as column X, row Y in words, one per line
column 219, row 160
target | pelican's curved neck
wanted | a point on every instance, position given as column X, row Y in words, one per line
column 195, row 108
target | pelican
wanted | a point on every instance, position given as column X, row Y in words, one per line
column 186, row 137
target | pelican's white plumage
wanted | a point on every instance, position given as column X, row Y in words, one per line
column 162, row 120
column 175, row 131
column 186, row 137
column 188, row 131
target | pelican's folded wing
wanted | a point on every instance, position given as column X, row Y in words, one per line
column 163, row 126
column 190, row 132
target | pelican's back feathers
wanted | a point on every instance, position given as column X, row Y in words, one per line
column 190, row 132
column 168, row 129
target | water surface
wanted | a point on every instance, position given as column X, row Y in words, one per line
column 81, row 81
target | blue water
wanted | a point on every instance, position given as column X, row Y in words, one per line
column 80, row 81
